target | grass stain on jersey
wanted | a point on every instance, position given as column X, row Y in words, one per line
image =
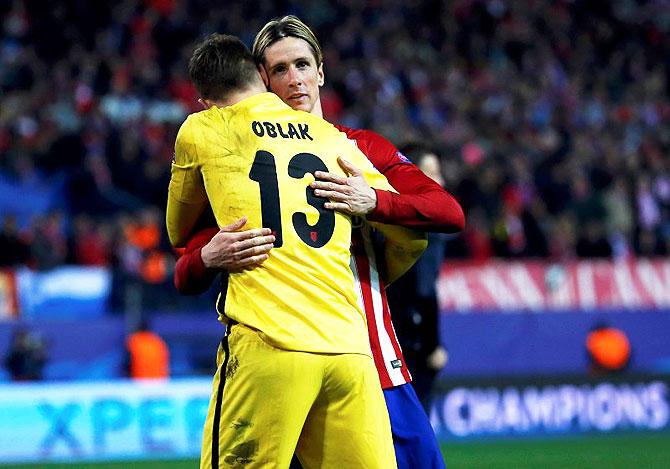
column 242, row 454
column 231, row 369
column 240, row 424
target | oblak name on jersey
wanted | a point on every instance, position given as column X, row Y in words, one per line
column 275, row 130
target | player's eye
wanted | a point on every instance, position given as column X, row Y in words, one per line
column 280, row 69
column 303, row 64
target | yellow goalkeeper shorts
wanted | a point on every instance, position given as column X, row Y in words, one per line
column 268, row 403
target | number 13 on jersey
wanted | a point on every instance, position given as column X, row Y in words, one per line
column 264, row 172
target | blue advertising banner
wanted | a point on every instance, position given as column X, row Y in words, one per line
column 102, row 420
column 25, row 200
column 65, row 292
column 522, row 408
column 548, row 343
column 126, row 420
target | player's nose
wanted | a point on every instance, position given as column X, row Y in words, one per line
column 294, row 76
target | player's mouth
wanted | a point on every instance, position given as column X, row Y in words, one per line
column 298, row 97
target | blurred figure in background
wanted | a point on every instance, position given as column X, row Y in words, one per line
column 413, row 297
column 14, row 248
column 608, row 349
column 142, row 264
column 48, row 249
column 27, row 356
column 90, row 243
column 148, row 356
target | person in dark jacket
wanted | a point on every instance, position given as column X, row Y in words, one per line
column 27, row 356
column 413, row 297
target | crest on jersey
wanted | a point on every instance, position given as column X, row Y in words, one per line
column 403, row 158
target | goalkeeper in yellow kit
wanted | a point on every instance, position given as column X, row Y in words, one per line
column 295, row 371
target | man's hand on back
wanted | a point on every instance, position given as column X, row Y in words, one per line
column 234, row 250
column 351, row 195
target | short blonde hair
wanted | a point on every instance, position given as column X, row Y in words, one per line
column 278, row 28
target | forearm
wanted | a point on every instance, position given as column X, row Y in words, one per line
column 435, row 211
column 420, row 202
column 191, row 277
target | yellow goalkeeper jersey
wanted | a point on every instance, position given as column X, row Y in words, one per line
column 257, row 159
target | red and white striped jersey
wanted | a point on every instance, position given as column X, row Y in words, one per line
column 384, row 344
column 421, row 203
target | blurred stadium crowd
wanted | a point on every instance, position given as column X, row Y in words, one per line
column 551, row 117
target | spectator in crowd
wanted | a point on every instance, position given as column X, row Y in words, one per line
column 142, row 264
column 148, row 356
column 14, row 248
column 413, row 297
column 26, row 357
column 91, row 243
column 48, row 248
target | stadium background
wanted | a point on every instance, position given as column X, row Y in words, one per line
column 551, row 119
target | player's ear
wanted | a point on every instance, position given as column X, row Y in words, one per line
column 264, row 75
column 321, row 75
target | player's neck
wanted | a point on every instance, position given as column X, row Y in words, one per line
column 237, row 96
column 316, row 110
